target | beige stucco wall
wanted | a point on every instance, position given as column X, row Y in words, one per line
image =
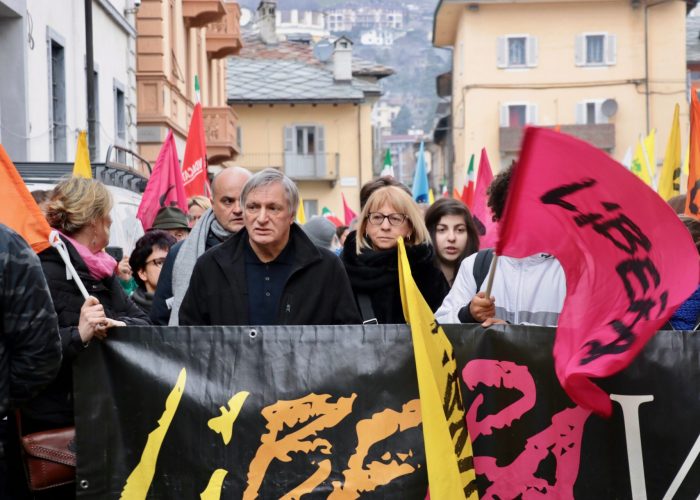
column 556, row 84
column 348, row 133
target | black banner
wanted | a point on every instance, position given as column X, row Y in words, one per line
column 333, row 412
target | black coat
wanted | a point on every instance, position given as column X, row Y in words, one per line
column 54, row 405
column 317, row 292
column 375, row 273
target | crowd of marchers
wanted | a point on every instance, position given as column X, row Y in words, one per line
column 240, row 258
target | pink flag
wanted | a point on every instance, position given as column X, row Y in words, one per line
column 349, row 214
column 165, row 186
column 488, row 229
column 629, row 261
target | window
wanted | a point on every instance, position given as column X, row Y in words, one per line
column 310, row 208
column 57, row 88
column 516, row 115
column 304, row 151
column 590, row 112
column 119, row 114
column 517, row 51
column 596, row 49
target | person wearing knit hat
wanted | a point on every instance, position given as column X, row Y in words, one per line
column 321, row 232
column 174, row 221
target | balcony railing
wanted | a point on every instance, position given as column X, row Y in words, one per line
column 220, row 126
column 298, row 167
column 600, row 135
column 199, row 13
column 224, row 36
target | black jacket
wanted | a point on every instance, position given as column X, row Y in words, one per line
column 375, row 274
column 54, row 405
column 317, row 291
column 30, row 348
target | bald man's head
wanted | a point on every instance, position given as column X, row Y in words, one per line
column 226, row 197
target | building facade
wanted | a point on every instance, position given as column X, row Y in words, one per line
column 307, row 116
column 603, row 70
column 43, row 48
column 178, row 40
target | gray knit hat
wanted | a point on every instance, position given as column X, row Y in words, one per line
column 320, row 230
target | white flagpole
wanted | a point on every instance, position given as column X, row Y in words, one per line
column 57, row 243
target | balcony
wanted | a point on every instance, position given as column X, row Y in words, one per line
column 224, row 36
column 601, row 135
column 220, row 129
column 320, row 167
column 199, row 13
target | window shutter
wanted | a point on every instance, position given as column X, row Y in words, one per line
column 532, row 51
column 599, row 116
column 580, row 49
column 320, row 140
column 502, row 52
column 504, row 116
column 610, row 49
column 581, row 113
column 288, row 139
column 531, row 116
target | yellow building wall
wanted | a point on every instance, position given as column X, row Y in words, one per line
column 556, row 84
column 348, row 133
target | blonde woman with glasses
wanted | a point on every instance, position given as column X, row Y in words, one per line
column 371, row 259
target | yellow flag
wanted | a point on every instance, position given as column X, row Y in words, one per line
column 81, row 167
column 686, row 162
column 301, row 216
column 448, row 448
column 639, row 166
column 650, row 150
column 431, row 196
column 670, row 181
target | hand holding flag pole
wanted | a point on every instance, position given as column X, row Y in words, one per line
column 58, row 244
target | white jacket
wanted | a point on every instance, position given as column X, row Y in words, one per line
column 528, row 291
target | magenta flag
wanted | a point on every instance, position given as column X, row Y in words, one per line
column 165, row 186
column 488, row 229
column 629, row 261
column 349, row 213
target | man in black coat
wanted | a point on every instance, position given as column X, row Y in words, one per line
column 270, row 273
column 30, row 347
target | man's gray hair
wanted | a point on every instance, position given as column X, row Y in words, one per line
column 271, row 176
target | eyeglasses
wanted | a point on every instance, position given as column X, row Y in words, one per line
column 156, row 262
column 377, row 218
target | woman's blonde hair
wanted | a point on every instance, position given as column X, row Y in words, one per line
column 201, row 201
column 76, row 202
column 403, row 204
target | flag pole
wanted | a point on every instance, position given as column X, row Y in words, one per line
column 492, row 272
column 58, row 244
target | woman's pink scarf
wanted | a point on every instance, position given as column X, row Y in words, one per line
column 100, row 264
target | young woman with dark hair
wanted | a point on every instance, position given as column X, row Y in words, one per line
column 454, row 235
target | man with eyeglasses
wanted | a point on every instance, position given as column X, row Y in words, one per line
column 270, row 273
column 146, row 262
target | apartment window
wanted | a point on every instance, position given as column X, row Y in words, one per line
column 57, row 89
column 517, row 115
column 304, row 151
column 517, row 51
column 310, row 208
column 119, row 113
column 596, row 49
column 590, row 112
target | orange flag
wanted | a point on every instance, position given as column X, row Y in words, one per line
column 692, row 200
column 18, row 210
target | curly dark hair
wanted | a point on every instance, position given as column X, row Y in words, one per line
column 380, row 182
column 498, row 191
column 693, row 226
column 155, row 238
column 447, row 206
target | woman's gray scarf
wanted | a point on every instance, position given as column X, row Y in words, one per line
column 193, row 247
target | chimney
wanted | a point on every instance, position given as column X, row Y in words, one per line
column 267, row 19
column 342, row 59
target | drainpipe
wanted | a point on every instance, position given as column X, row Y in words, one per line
column 90, row 70
column 647, row 6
